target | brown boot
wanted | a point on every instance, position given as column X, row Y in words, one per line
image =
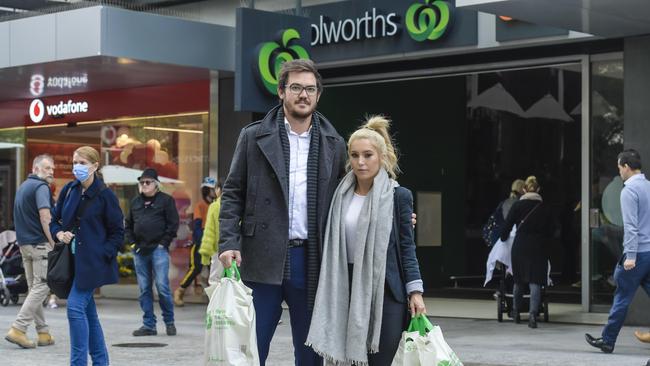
column 178, row 297
column 642, row 336
column 19, row 338
column 45, row 339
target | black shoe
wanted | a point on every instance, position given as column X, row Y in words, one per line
column 599, row 343
column 532, row 321
column 144, row 331
column 171, row 330
column 515, row 315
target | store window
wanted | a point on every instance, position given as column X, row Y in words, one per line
column 173, row 145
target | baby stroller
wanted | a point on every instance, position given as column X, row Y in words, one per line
column 12, row 273
column 505, row 298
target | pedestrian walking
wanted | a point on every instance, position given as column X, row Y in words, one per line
column 210, row 239
column 633, row 268
column 151, row 225
column 369, row 270
column 274, row 205
column 534, row 223
column 32, row 221
column 88, row 217
column 492, row 229
column 209, row 192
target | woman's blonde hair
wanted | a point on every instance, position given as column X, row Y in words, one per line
column 375, row 130
column 516, row 188
column 531, row 184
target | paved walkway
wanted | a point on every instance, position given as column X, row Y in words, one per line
column 477, row 341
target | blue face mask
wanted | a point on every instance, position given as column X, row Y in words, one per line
column 81, row 172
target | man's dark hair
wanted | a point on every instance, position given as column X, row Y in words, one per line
column 631, row 158
column 299, row 66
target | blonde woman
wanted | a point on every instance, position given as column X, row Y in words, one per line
column 529, row 257
column 369, row 271
column 88, row 217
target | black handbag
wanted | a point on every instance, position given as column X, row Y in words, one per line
column 60, row 270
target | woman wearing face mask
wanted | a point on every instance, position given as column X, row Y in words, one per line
column 369, row 271
column 88, row 217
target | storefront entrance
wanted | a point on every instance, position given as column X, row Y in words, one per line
column 463, row 139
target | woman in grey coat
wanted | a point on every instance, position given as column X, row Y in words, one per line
column 369, row 272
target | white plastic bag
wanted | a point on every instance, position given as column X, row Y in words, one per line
column 230, row 338
column 423, row 345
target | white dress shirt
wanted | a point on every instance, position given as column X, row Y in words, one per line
column 299, row 152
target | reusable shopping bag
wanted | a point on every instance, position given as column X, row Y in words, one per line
column 422, row 344
column 230, row 337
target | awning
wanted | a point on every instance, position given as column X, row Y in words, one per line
column 605, row 18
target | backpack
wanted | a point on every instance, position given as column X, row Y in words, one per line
column 492, row 227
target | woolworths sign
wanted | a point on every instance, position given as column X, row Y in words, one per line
column 426, row 20
column 349, row 30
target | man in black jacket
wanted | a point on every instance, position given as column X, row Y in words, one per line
column 151, row 225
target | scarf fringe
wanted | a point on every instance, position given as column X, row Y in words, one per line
column 329, row 358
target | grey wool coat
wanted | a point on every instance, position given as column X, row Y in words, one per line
column 254, row 217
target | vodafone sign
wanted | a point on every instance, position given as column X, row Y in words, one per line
column 37, row 109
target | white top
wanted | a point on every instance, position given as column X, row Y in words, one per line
column 299, row 152
column 351, row 220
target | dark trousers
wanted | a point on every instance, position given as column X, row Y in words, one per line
column 195, row 267
column 627, row 282
column 393, row 323
column 267, row 300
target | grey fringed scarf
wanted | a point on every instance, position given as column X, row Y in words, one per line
column 345, row 325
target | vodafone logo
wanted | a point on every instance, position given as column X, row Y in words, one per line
column 36, row 111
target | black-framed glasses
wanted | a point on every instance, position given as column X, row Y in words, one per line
column 297, row 89
column 145, row 182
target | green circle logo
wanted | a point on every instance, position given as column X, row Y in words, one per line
column 428, row 20
column 271, row 56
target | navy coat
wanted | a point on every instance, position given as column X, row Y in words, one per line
column 400, row 272
column 100, row 234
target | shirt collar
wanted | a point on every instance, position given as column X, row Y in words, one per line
column 634, row 177
column 287, row 125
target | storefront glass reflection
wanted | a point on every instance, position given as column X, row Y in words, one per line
column 606, row 142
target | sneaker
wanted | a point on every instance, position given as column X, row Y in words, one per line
column 171, row 330
column 52, row 304
column 144, row 331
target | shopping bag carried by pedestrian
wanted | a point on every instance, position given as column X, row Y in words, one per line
column 60, row 270
column 230, row 337
column 422, row 344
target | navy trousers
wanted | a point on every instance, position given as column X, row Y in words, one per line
column 268, row 310
column 627, row 282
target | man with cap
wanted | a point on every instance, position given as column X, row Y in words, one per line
column 209, row 192
column 151, row 225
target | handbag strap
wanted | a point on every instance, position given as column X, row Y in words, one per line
column 528, row 214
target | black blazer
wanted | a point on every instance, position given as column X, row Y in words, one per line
column 402, row 246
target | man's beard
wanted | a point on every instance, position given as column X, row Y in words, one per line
column 294, row 112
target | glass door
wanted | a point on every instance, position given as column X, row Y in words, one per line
column 606, row 141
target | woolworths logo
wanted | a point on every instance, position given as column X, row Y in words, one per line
column 272, row 55
column 428, row 20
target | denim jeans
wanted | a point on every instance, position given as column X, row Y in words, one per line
column 86, row 335
column 535, row 297
column 149, row 268
column 627, row 282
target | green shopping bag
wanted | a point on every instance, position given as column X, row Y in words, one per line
column 422, row 344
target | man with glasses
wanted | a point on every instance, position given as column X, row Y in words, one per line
column 275, row 203
column 151, row 226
